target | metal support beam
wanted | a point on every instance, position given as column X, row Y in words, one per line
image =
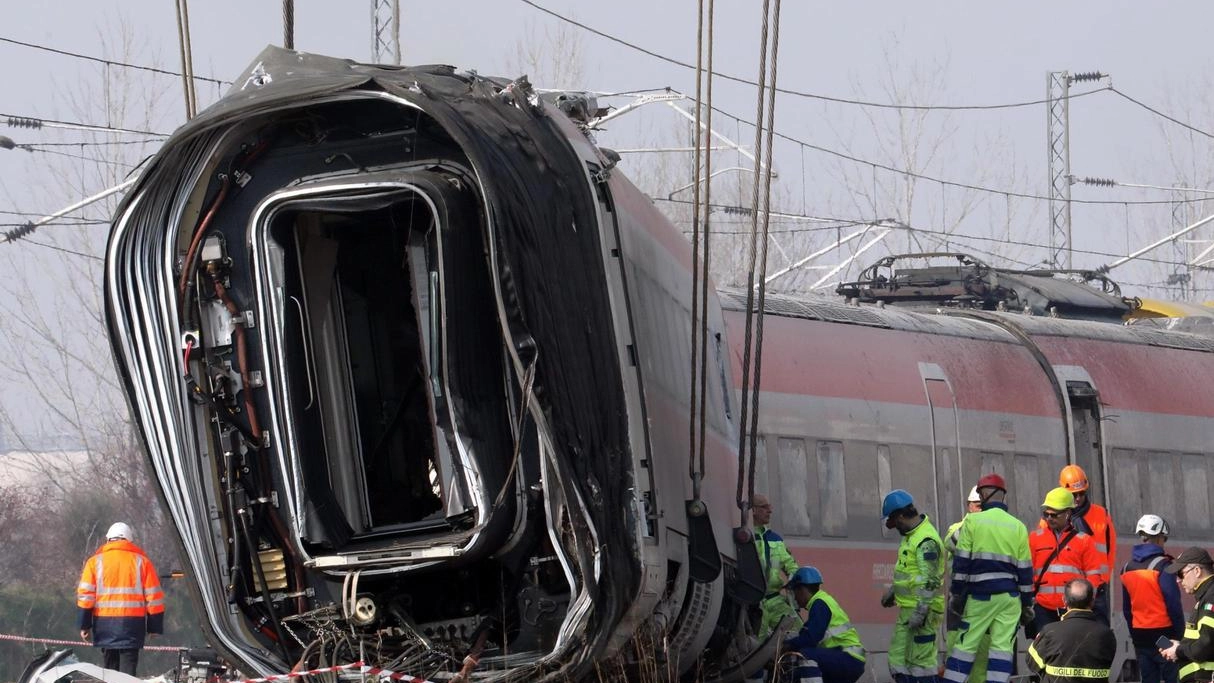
column 821, row 252
column 1058, row 149
column 1160, row 242
column 121, row 187
column 385, row 31
column 825, row 279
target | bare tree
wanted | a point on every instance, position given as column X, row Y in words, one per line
column 550, row 57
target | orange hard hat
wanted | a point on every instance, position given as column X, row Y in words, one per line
column 1073, row 479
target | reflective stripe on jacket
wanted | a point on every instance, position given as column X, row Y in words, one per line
column 1078, row 649
column 777, row 561
column 919, row 571
column 827, row 627
column 1094, row 520
column 992, row 555
column 1196, row 652
column 119, row 596
column 1078, row 559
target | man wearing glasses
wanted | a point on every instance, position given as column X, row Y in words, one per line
column 1195, row 654
column 778, row 564
column 1061, row 553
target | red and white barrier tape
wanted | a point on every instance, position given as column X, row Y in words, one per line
column 310, row 672
column 78, row 643
column 359, row 666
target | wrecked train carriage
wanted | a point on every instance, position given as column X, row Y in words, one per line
column 405, row 355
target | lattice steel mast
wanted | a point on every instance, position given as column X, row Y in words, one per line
column 385, row 31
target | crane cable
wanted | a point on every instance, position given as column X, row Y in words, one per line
column 765, row 117
column 288, row 24
column 697, row 405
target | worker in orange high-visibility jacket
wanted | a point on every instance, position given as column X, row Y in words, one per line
column 1091, row 519
column 1060, row 554
column 120, row 600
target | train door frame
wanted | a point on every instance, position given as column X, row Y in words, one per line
column 932, row 372
column 1078, row 387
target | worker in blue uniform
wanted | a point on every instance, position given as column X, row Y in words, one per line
column 827, row 649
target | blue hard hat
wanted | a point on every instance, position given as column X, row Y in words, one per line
column 895, row 500
column 805, row 576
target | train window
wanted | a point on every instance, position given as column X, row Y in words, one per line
column 861, row 471
column 793, row 482
column 885, row 481
column 1196, row 491
column 832, row 488
column 1127, row 486
column 1161, row 484
column 1025, row 488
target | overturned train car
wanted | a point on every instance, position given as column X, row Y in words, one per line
column 380, row 333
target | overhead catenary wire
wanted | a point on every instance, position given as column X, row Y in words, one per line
column 94, row 143
column 109, row 62
column 35, row 122
column 82, row 157
column 60, row 222
column 36, row 214
column 1161, row 114
column 847, row 222
column 63, row 250
column 799, row 93
column 950, row 183
column 876, row 165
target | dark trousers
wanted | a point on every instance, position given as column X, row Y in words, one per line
column 1041, row 617
column 1153, row 668
column 124, row 661
column 833, row 666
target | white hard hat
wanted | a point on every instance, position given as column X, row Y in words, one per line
column 118, row 530
column 1151, row 525
column 974, row 497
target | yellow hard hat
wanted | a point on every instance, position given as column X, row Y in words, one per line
column 1059, row 499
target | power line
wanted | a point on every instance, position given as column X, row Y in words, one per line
column 73, row 252
column 1156, row 112
column 74, row 223
column 18, row 121
column 82, row 157
column 950, row 183
column 108, row 62
column 924, row 231
column 95, row 143
column 798, row 93
column 33, row 214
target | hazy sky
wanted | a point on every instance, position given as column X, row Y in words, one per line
column 951, row 53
